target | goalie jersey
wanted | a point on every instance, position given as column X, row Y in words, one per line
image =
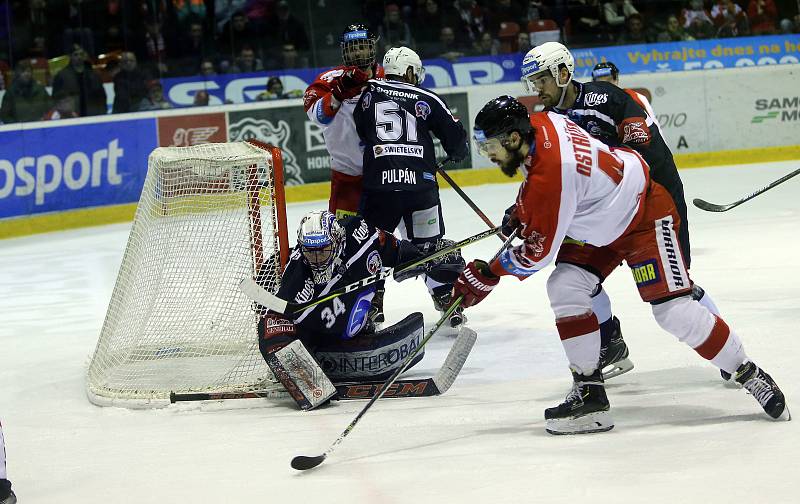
column 365, row 252
column 394, row 121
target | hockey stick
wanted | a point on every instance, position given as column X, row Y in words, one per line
column 273, row 302
column 711, row 207
column 457, row 189
column 302, row 462
column 412, row 387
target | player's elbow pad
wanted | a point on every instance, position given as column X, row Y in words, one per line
column 634, row 131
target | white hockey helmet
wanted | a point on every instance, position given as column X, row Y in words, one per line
column 397, row 60
column 321, row 240
column 548, row 56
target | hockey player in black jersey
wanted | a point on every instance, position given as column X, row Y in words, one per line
column 610, row 114
column 395, row 119
column 339, row 333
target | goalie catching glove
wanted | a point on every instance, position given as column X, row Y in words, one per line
column 475, row 283
column 349, row 84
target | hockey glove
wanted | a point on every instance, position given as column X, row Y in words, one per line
column 475, row 283
column 349, row 84
column 510, row 221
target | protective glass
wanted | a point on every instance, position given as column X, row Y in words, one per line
column 492, row 146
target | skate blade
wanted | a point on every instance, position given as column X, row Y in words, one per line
column 617, row 368
column 785, row 415
column 587, row 424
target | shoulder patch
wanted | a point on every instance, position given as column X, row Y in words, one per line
column 366, row 100
column 374, row 262
column 422, row 109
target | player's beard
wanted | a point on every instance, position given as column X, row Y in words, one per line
column 511, row 165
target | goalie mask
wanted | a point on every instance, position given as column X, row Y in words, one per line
column 358, row 46
column 321, row 240
column 544, row 62
column 398, row 60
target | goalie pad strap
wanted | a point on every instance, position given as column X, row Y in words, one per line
column 300, row 374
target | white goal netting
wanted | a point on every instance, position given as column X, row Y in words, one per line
column 209, row 216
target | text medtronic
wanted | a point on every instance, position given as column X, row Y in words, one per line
column 44, row 174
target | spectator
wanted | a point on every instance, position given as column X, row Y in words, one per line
column 524, row 42
column 467, row 21
column 673, row 32
column 274, row 91
column 504, row 11
column 730, row 19
column 428, row 26
column 450, row 48
column 394, row 32
column 189, row 10
column 697, row 21
column 79, row 19
column 247, row 62
column 194, row 48
column 617, row 12
column 486, row 45
column 763, row 16
column 537, row 10
column 287, row 29
column 236, row 34
column 201, row 99
column 224, row 11
column 129, row 85
column 64, row 107
column 154, row 100
column 25, row 99
column 155, row 49
column 635, row 31
column 207, row 68
column 588, row 21
column 288, row 58
column 80, row 80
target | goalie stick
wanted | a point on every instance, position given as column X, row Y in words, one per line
column 273, row 302
column 302, row 462
column 712, row 207
column 411, row 387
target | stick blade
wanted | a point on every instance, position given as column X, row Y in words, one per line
column 709, row 207
column 257, row 293
column 302, row 463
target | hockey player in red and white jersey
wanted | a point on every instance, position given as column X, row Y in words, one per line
column 329, row 102
column 577, row 186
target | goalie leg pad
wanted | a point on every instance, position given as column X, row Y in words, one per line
column 300, row 374
column 375, row 356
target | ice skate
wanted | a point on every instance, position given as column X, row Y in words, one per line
column 375, row 313
column 761, row 386
column 614, row 359
column 584, row 411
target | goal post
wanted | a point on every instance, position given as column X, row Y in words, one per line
column 209, row 216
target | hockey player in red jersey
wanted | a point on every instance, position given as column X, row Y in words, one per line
column 577, row 186
column 329, row 102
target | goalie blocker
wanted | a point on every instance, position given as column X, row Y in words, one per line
column 360, row 363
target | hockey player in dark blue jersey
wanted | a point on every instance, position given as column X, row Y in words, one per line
column 395, row 118
column 336, row 341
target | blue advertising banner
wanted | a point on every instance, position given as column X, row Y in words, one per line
column 479, row 70
column 69, row 167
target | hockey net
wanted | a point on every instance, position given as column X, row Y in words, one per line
column 209, row 216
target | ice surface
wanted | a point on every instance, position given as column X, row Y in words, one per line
column 680, row 435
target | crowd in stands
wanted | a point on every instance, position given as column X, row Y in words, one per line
column 55, row 55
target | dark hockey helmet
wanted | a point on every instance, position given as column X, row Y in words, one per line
column 359, row 45
column 605, row 69
column 498, row 119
